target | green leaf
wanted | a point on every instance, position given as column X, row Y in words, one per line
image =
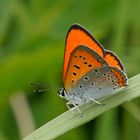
column 69, row 120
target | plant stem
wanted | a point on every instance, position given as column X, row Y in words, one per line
column 69, row 120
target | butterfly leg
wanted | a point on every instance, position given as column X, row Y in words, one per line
column 69, row 104
column 99, row 103
column 78, row 108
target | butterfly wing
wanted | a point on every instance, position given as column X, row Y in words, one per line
column 76, row 36
column 82, row 60
column 113, row 60
column 100, row 82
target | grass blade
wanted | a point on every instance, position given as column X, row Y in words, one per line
column 68, row 120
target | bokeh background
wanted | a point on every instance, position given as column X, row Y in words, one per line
column 32, row 36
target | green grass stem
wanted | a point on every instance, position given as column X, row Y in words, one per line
column 69, row 120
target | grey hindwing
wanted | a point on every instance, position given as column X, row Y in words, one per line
column 97, row 83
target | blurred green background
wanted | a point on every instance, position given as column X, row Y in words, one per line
column 32, row 36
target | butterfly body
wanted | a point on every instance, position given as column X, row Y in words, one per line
column 90, row 72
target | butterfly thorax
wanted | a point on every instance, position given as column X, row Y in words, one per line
column 72, row 96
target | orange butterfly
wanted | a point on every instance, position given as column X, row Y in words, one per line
column 90, row 72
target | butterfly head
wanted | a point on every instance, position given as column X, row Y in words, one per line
column 62, row 93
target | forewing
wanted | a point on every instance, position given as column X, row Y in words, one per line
column 76, row 36
column 82, row 60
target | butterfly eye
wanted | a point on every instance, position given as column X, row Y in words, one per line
column 61, row 93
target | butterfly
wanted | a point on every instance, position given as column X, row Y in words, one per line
column 90, row 72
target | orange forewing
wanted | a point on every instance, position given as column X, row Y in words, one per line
column 113, row 60
column 76, row 36
column 82, row 60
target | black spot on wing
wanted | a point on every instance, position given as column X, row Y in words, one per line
column 76, row 66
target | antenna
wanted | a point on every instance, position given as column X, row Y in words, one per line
column 42, row 85
column 37, row 84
